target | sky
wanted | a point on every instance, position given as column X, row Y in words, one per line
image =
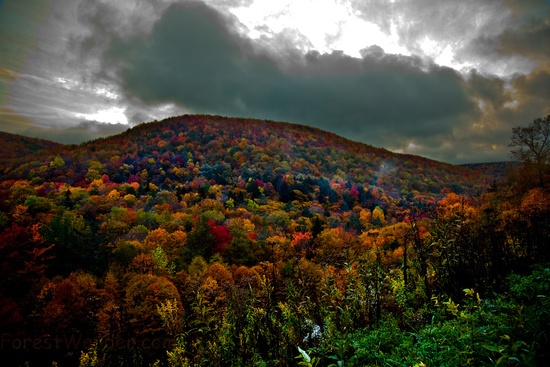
column 442, row 79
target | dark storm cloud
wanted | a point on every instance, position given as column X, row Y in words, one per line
column 195, row 57
column 490, row 89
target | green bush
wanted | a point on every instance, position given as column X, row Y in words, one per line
column 511, row 329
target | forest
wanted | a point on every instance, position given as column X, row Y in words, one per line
column 212, row 241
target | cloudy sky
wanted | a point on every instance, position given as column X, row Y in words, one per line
column 443, row 79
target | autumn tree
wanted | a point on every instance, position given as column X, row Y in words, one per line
column 24, row 258
column 532, row 225
column 144, row 293
column 172, row 243
column 533, row 142
column 69, row 305
column 331, row 246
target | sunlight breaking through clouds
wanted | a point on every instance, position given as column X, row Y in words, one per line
column 112, row 115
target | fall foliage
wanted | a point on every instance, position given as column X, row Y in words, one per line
column 205, row 240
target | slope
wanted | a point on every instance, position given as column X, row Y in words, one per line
column 14, row 145
column 498, row 170
column 194, row 150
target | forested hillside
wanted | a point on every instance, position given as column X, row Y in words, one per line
column 15, row 148
column 499, row 171
column 14, row 145
column 196, row 150
column 211, row 241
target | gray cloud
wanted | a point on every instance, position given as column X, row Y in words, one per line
column 495, row 36
column 532, row 41
column 158, row 58
column 14, row 123
column 83, row 131
column 194, row 57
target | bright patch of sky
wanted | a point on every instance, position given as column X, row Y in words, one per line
column 331, row 25
column 112, row 115
column 327, row 24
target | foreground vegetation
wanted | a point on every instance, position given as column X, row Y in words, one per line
column 508, row 329
column 139, row 257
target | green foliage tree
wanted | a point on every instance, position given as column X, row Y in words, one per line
column 200, row 241
column 74, row 244
column 57, row 162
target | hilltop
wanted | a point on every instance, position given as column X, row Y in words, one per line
column 203, row 149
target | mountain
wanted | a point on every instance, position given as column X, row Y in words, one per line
column 14, row 145
column 206, row 240
column 194, row 150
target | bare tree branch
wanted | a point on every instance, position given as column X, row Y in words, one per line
column 534, row 144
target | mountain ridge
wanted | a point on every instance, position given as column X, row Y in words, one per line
column 249, row 229
column 48, row 144
column 226, row 150
column 16, row 145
